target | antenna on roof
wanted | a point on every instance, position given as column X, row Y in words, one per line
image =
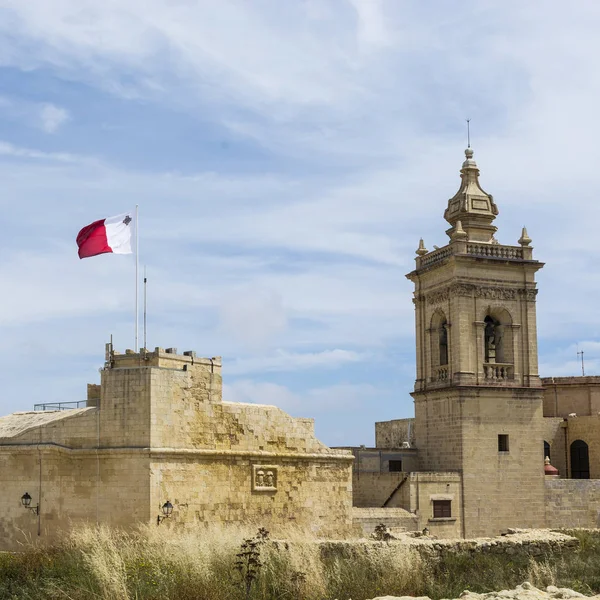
column 582, row 364
column 145, row 313
column 468, row 133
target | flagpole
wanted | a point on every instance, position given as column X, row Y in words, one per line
column 137, row 266
column 145, row 286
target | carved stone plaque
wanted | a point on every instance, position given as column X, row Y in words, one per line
column 264, row 478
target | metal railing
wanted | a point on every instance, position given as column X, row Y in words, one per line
column 61, row 405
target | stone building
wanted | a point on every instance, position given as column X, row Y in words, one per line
column 156, row 430
column 484, row 420
column 156, row 436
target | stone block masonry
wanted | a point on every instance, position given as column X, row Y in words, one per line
column 159, row 430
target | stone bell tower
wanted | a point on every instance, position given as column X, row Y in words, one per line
column 478, row 395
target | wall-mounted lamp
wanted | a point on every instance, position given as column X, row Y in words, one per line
column 167, row 509
column 26, row 502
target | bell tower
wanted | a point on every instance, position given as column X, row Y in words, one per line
column 478, row 395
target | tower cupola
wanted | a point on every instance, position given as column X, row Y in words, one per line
column 471, row 206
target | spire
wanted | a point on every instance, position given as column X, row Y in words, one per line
column 471, row 206
column 421, row 250
column 524, row 240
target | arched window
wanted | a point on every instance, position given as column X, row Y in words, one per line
column 546, row 450
column 580, row 460
column 443, row 342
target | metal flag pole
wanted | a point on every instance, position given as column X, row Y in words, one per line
column 137, row 266
column 145, row 286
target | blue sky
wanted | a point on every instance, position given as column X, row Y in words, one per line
column 286, row 157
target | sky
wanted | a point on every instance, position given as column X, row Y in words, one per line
column 286, row 158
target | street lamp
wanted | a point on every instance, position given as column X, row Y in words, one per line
column 167, row 509
column 26, row 502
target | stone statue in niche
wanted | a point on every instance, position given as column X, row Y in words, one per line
column 443, row 344
column 490, row 340
column 264, row 478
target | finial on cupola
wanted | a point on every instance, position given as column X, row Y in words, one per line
column 421, row 250
column 524, row 240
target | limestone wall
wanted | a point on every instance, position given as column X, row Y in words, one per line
column 393, row 434
column 588, row 430
column 314, row 493
column 162, row 432
column 555, row 433
column 377, row 460
column 423, row 489
column 566, row 395
column 458, row 429
column 366, row 519
column 70, row 487
column 502, row 489
column 373, row 489
column 72, row 428
column 572, row 503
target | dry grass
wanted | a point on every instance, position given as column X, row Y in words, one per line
column 159, row 563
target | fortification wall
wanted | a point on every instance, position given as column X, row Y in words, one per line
column 572, row 503
column 162, row 432
column 313, row 492
column 70, row 486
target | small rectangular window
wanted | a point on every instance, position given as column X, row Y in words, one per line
column 442, row 509
column 395, row 466
column 502, row 442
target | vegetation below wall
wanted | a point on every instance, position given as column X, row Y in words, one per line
column 158, row 563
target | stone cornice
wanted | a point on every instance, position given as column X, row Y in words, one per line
column 332, row 455
column 478, row 291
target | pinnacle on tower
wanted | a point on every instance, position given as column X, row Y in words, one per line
column 458, row 233
column 471, row 205
column 524, row 240
column 421, row 250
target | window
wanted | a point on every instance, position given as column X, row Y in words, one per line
column 546, row 450
column 395, row 466
column 580, row 460
column 442, row 509
column 502, row 443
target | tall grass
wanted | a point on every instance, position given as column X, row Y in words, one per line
column 159, row 563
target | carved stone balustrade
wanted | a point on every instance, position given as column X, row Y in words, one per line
column 495, row 251
column 498, row 372
column 440, row 373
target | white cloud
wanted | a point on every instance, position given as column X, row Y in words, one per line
column 8, row 149
column 53, row 117
column 365, row 99
column 312, row 401
column 285, row 361
column 252, row 315
column 45, row 116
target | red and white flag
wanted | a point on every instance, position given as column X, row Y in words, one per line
column 114, row 234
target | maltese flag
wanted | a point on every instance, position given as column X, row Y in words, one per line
column 114, row 234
